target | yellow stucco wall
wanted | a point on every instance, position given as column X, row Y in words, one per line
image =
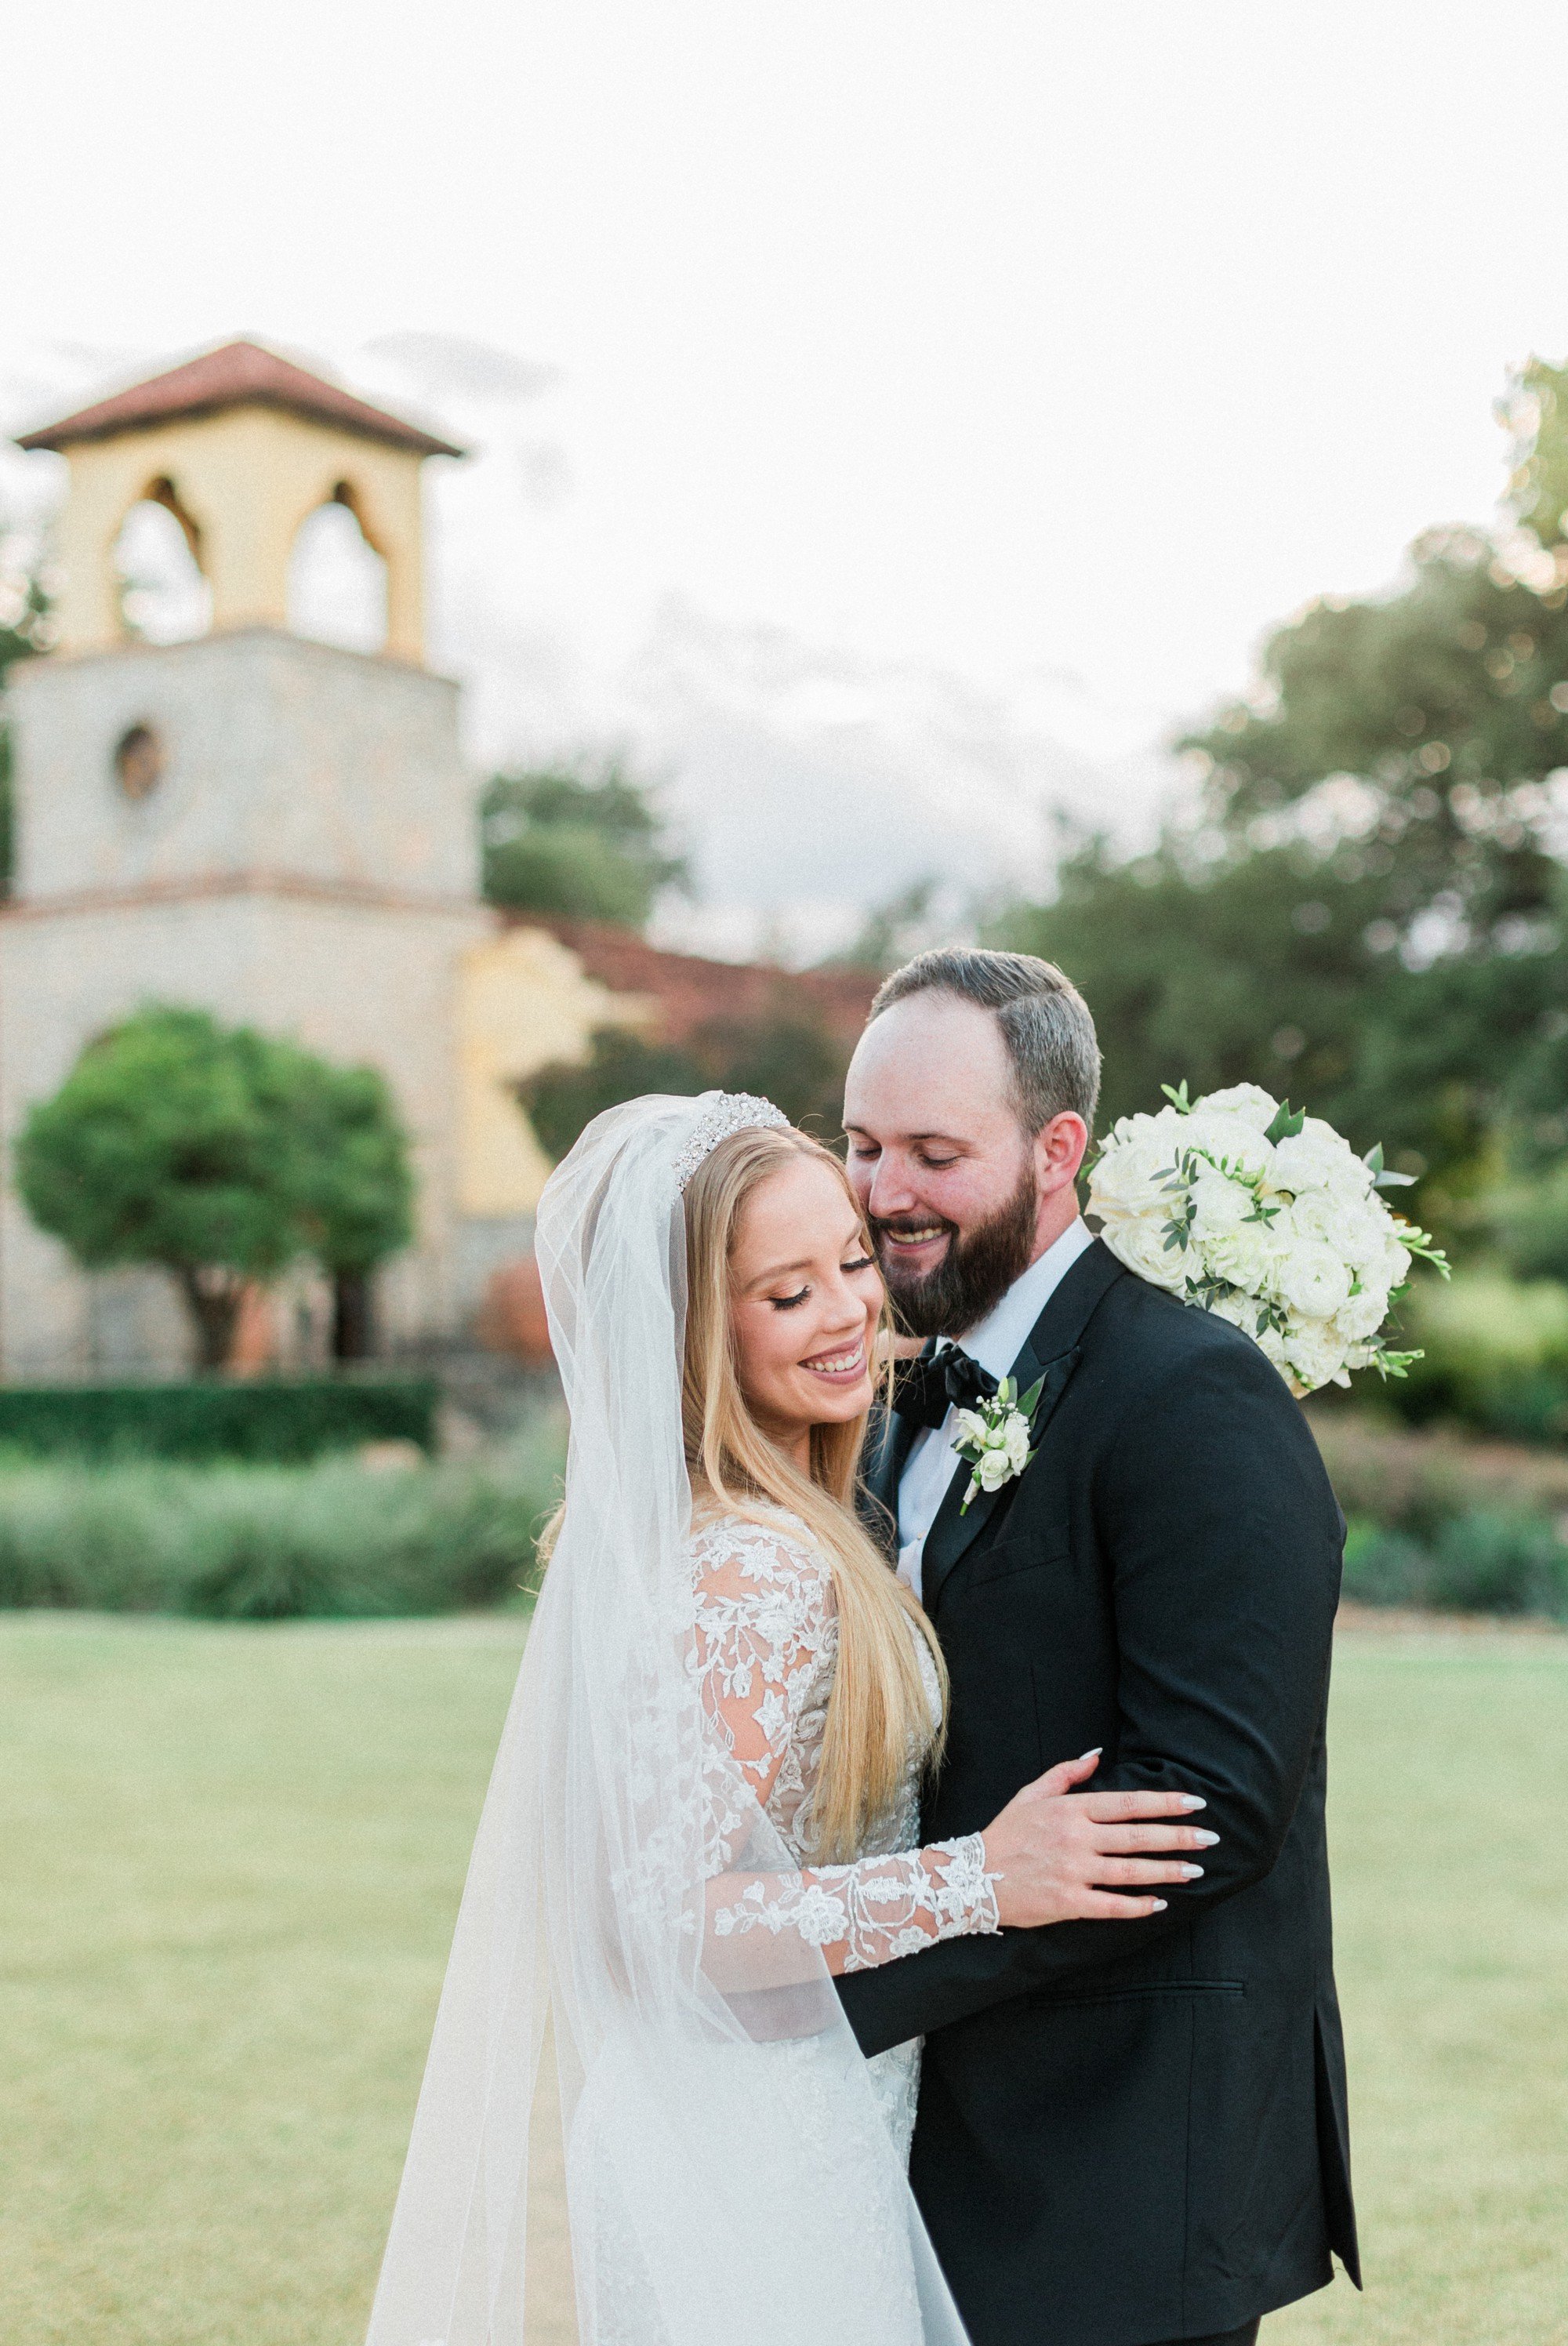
column 247, row 478
column 524, row 1001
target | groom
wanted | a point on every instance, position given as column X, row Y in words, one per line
column 1129, row 2133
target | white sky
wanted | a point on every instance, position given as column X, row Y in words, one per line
column 894, row 417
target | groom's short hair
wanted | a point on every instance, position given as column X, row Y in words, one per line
column 1045, row 1022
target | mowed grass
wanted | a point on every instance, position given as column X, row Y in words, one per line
column 231, row 1857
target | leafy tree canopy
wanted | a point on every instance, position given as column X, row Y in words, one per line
column 787, row 1057
column 218, row 1155
column 586, row 844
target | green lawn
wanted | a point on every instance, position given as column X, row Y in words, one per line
column 231, row 1861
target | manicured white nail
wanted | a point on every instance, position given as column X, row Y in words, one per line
column 1192, row 1872
column 1205, row 1840
column 1159, row 1906
column 1190, row 1801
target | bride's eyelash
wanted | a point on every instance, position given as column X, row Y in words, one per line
column 788, row 1302
column 861, row 1262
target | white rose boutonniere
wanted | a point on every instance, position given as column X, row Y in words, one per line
column 994, row 1438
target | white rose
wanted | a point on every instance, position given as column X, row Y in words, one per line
column 1017, row 1444
column 1315, row 1354
column 1310, row 1278
column 1359, row 1318
column 1126, row 1180
column 1230, row 1139
column 993, row 1469
column 1221, row 1205
column 1240, row 1311
column 1245, row 1258
column 1250, row 1102
column 1316, row 1159
column 1271, row 1344
column 1141, row 1245
column 1311, row 1215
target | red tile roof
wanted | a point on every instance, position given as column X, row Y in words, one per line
column 240, row 374
column 691, row 991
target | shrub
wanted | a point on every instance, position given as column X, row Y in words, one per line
column 267, row 1542
column 270, row 1419
column 1496, row 1356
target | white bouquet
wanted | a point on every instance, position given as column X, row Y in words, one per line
column 1266, row 1217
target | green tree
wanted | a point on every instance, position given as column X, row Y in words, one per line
column 23, row 631
column 218, row 1154
column 786, row 1056
column 583, row 845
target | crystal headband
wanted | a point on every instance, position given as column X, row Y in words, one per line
column 730, row 1112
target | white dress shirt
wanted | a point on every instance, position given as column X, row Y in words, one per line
column 995, row 1342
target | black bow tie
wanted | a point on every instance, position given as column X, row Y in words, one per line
column 927, row 1388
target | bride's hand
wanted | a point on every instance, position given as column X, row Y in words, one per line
column 1061, row 1856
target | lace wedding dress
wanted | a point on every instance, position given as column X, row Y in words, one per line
column 645, row 1886
column 766, row 1650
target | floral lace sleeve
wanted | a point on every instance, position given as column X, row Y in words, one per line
column 766, row 1645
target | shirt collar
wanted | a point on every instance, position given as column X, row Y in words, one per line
column 996, row 1341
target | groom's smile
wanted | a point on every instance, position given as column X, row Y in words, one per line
column 959, row 1196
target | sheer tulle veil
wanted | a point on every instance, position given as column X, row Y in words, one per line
column 729, row 2181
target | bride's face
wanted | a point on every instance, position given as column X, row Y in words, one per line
column 804, row 1300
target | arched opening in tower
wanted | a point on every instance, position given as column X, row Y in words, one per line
column 337, row 580
column 164, row 597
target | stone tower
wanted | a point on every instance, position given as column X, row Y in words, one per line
column 271, row 827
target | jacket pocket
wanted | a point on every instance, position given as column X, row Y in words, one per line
column 1137, row 1991
column 1008, row 1558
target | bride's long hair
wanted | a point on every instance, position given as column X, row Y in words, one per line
column 879, row 1713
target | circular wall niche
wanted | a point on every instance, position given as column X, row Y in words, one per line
column 139, row 760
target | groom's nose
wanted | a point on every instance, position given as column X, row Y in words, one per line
column 891, row 1190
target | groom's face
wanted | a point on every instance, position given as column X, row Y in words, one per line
column 946, row 1173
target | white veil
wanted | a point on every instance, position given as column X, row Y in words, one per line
column 729, row 2180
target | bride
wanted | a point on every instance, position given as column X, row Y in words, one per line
column 707, row 1794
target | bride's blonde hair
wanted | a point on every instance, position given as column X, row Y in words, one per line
column 879, row 1712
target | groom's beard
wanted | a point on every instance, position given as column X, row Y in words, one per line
column 974, row 1275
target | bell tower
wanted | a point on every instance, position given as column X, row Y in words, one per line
column 278, row 830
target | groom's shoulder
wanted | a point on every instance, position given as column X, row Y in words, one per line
column 1146, row 1324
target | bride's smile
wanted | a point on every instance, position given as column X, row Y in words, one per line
column 807, row 1299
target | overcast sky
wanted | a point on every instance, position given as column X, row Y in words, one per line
column 893, row 418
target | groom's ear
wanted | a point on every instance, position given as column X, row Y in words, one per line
column 1060, row 1147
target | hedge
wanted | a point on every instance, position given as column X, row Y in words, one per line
column 282, row 1421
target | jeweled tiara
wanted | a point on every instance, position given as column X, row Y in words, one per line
column 730, row 1112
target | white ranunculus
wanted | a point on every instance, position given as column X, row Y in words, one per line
column 1314, row 1353
column 1314, row 1214
column 1141, row 1245
column 1245, row 1258
column 1310, row 1278
column 993, row 1468
column 1220, row 1204
column 1250, row 1102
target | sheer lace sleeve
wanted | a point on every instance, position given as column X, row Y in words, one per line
column 765, row 1651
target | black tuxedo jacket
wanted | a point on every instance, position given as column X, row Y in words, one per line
column 1134, row 2132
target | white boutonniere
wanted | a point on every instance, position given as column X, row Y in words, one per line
column 994, row 1438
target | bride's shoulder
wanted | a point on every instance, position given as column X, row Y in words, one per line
column 765, row 1549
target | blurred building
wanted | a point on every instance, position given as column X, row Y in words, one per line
column 278, row 829
column 216, row 807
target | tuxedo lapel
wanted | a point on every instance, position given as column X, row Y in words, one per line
column 1050, row 1357
column 887, row 1449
